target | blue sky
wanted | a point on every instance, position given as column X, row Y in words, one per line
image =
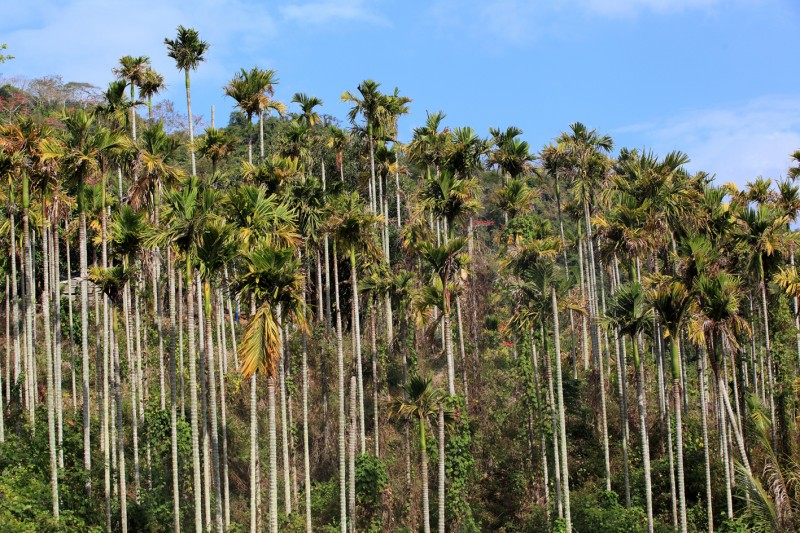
column 718, row 79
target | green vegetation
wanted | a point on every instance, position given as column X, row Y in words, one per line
column 296, row 323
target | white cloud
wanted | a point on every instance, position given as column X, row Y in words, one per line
column 631, row 7
column 736, row 143
column 84, row 39
column 501, row 22
column 329, row 11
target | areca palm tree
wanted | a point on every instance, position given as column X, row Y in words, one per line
column 215, row 249
column 187, row 50
column 132, row 70
column 353, row 230
column 446, row 262
column 158, row 168
column 380, row 112
column 308, row 115
column 85, row 150
column 763, row 238
column 585, row 151
column 277, row 281
column 186, row 213
column 216, row 145
column 127, row 234
column 510, row 155
column 421, row 403
column 717, row 325
column 150, row 83
column 629, row 313
column 253, row 92
column 672, row 300
column 112, row 281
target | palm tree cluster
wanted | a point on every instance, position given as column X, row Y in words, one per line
column 456, row 300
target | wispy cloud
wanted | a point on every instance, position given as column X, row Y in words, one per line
column 633, row 7
column 518, row 22
column 84, row 39
column 736, row 143
column 328, row 11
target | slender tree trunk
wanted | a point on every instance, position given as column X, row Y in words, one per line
column 253, row 454
column 223, row 356
column 56, row 289
column 212, row 394
column 351, row 504
column 51, row 389
column 181, row 367
column 448, row 343
column 273, row 456
column 676, row 391
column 426, row 519
column 191, row 123
column 193, row 414
column 173, row 381
column 554, row 419
column 357, row 337
column 373, row 342
column 441, row 470
column 464, row 377
column 15, row 307
column 123, row 491
column 771, row 365
column 70, row 297
column 561, row 415
column 340, row 363
column 702, row 385
column 30, row 307
column 204, row 422
column 643, row 428
column 287, row 487
column 306, row 458
column 132, row 379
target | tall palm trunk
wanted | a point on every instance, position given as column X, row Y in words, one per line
column 340, row 363
column 374, row 346
column 561, row 415
column 191, row 122
column 676, row 391
column 253, row 454
column 56, row 289
column 441, row 470
column 548, row 368
column 205, row 445
column 287, row 487
column 357, row 339
column 132, row 379
column 351, row 504
column 771, row 365
column 426, row 519
column 306, row 458
column 212, row 396
column 463, row 352
column 223, row 401
column 701, row 370
column 448, row 343
column 51, row 389
column 15, row 299
column 108, row 424
column 173, row 389
column 30, row 306
column 640, row 398
column 193, row 414
column 273, row 457
column 123, row 491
